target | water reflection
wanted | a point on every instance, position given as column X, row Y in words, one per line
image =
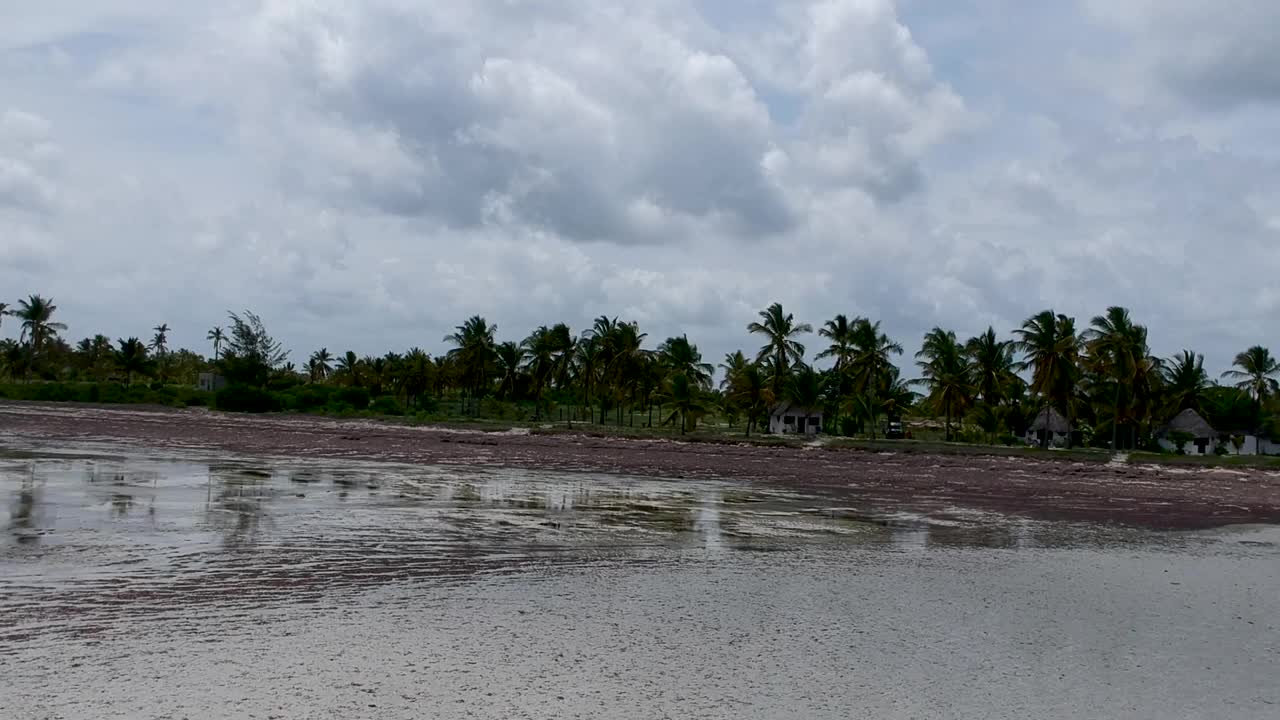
column 22, row 517
column 237, row 502
column 294, row 531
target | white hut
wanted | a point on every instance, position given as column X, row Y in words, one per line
column 1203, row 438
column 1049, row 422
column 791, row 419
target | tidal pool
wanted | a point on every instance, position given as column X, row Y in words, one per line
column 137, row 583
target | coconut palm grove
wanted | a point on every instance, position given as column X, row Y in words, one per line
column 1099, row 374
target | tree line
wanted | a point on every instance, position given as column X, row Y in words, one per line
column 1102, row 377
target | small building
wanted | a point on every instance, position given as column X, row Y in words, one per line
column 1203, row 438
column 790, row 419
column 1254, row 444
column 1049, row 428
column 210, row 382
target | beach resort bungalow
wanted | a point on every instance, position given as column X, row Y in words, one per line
column 1049, row 422
column 788, row 418
column 1256, row 445
column 210, row 382
column 1202, row 437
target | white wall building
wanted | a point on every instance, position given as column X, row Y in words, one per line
column 786, row 418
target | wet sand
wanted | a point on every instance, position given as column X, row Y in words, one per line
column 1148, row 495
column 164, row 582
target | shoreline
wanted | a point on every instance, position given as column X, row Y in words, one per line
column 1044, row 487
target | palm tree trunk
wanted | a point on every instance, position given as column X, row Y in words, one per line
column 1115, row 420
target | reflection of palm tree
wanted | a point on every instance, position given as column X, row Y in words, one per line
column 238, row 502
column 23, row 515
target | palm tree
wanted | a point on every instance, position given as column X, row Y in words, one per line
column 563, row 344
column 1118, row 350
column 945, row 373
column 780, row 330
column 160, row 345
column 36, row 314
column 749, row 389
column 540, row 351
column 509, row 358
column 217, row 337
column 1257, row 374
column 131, row 358
column 587, row 359
column 686, row 402
column 734, row 363
column 627, row 358
column 993, row 365
column 682, row 357
column 348, row 366
column 840, row 332
column 804, row 388
column 1185, row 382
column 320, row 365
column 4, row 310
column 419, row 372
column 474, row 351
column 871, row 364
column 160, row 341
column 1051, row 351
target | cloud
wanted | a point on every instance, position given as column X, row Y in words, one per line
column 1221, row 54
column 366, row 175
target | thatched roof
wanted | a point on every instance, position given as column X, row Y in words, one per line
column 784, row 408
column 1190, row 422
column 1050, row 419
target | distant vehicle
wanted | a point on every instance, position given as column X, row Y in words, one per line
column 894, row 430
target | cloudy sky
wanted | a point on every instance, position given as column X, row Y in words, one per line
column 366, row 175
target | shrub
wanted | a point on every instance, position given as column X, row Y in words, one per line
column 308, row 398
column 356, row 397
column 386, row 405
column 1180, row 439
column 246, row 399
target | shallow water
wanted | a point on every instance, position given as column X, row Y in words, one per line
column 141, row 583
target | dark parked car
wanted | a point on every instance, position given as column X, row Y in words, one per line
column 894, row 430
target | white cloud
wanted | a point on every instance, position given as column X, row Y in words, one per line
column 368, row 174
column 1218, row 54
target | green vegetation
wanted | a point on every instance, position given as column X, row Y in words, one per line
column 613, row 378
column 106, row 393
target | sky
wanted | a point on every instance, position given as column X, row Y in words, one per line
column 367, row 175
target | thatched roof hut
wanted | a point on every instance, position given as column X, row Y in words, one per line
column 1051, row 420
column 1190, row 422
